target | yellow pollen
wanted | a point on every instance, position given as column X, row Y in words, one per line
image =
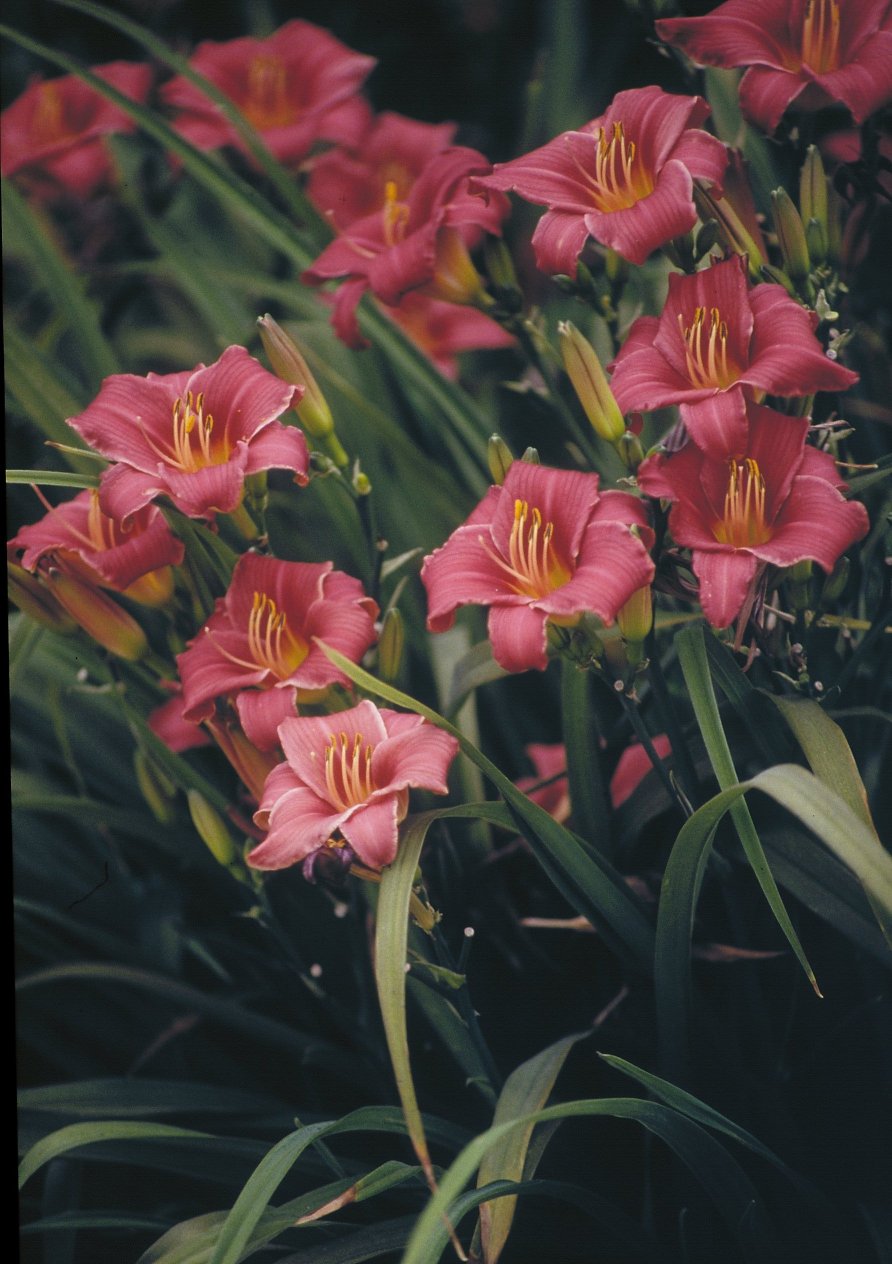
column 48, row 120
column 190, row 446
column 619, row 179
column 267, row 103
column 820, row 36
column 348, row 770
column 706, row 349
column 271, row 642
column 395, row 213
column 533, row 565
column 743, row 524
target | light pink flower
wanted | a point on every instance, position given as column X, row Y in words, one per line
column 802, row 53
column 53, row 133
column 715, row 345
column 193, row 436
column 626, row 178
column 633, row 766
column 443, row 330
column 550, row 761
column 297, row 86
column 545, row 545
column 79, row 537
column 419, row 243
column 259, row 648
column 347, row 184
column 167, row 722
column 347, row 777
column 776, row 502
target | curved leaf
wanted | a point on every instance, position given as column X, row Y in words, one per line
column 74, row 1135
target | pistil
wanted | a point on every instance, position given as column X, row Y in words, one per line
column 532, row 563
column 348, row 771
column 820, row 36
column 743, row 524
column 706, row 349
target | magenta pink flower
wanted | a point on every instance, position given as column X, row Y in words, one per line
column 626, row 178
column 550, row 762
column 775, row 503
column 297, row 86
column 545, row 545
column 260, row 649
column 806, row 53
column 191, row 436
column 715, row 345
column 348, row 184
column 77, row 536
column 419, row 243
column 633, row 766
column 443, row 330
column 346, row 780
column 52, row 134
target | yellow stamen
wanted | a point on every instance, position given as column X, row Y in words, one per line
column 267, row 103
column 706, row 350
column 272, row 644
column 533, row 565
column 48, row 120
column 743, row 524
column 820, row 36
column 191, row 446
column 348, row 770
column 619, row 179
column 395, row 213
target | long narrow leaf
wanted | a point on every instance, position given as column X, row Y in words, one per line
column 74, row 1135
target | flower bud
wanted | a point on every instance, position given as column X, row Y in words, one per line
column 253, row 766
column 835, row 583
column 455, row 278
column 590, row 383
column 503, row 278
column 499, row 457
column 35, row 600
column 531, row 456
column 99, row 616
column 813, row 189
column 732, row 231
column 154, row 589
column 790, row 235
column 391, row 643
column 156, row 787
column 211, row 828
column 799, row 578
column 287, row 363
column 636, row 617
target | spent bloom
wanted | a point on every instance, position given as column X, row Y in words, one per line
column 545, row 545
column 52, row 135
column 801, row 53
column 777, row 502
column 716, row 344
column 346, row 780
column 191, row 436
column 417, row 243
column 260, row 649
column 297, row 86
column 348, row 183
column 626, row 178
column 78, row 537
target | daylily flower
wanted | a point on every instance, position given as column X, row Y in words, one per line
column 192, row 436
column 550, row 762
column 443, row 330
column 297, row 86
column 804, row 53
column 346, row 782
column 348, row 184
column 417, row 244
column 78, row 537
column 715, row 345
column 52, row 134
column 259, row 648
column 626, row 178
column 633, row 766
column 546, row 545
column 777, row 502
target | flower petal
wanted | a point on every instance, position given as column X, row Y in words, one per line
column 420, row 757
column 717, row 424
column 372, row 831
column 815, row 522
column 518, row 637
column 636, row 232
column 299, row 822
column 611, row 566
column 785, row 356
column 725, row 577
column 261, row 711
column 557, row 241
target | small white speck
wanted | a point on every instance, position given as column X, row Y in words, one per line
column 341, row 909
column 315, row 970
column 618, row 686
column 832, row 353
column 82, row 676
column 819, row 688
column 406, row 968
column 469, row 932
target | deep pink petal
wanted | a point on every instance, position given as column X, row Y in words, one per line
column 305, row 738
column 786, row 357
column 294, row 586
column 865, row 83
column 518, row 637
column 372, row 831
column 557, row 241
column 211, row 490
column 279, row 447
column 261, row 711
column 765, row 94
column 563, row 497
column 299, row 822
column 717, row 424
column 722, row 286
column 168, row 723
column 815, row 522
column 123, row 491
column 704, row 156
column 463, row 572
column 406, row 266
column 739, row 33
column 131, row 418
column 612, row 565
column 653, row 120
column 346, row 627
column 644, row 379
column 636, row 232
column 555, row 175
column 345, row 320
column 240, row 393
column 724, row 579
column 777, row 445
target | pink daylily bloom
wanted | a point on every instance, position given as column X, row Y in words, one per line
column 192, row 436
column 412, row 244
column 633, row 766
column 176, row 732
column 626, row 178
column 347, row 184
column 777, row 502
column 52, row 134
column 79, row 537
column 550, row 761
column 716, row 344
column 443, row 330
column 802, row 53
column 346, row 779
column 297, row 86
column 260, row 646
column 545, row 545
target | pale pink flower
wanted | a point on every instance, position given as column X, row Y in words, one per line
column 346, row 780
column 550, row 761
column 193, row 437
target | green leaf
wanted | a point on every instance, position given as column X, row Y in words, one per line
column 74, row 1135
column 142, row 1097
column 53, row 478
column 526, row 1090
column 591, row 885
column 692, row 656
column 588, row 794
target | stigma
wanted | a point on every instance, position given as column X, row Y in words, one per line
column 706, row 349
column 348, row 770
column 532, row 564
column 743, row 524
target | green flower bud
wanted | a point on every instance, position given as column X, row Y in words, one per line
column 590, row 383
column 156, row 787
column 288, row 364
column 813, row 189
column 391, row 644
column 790, row 235
column 211, row 828
column 35, row 600
column 499, row 458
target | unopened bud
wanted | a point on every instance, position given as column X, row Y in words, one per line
column 836, row 581
column 156, row 787
column 390, row 644
column 531, row 456
column 813, row 189
column 799, row 578
column 636, row 617
column 211, row 828
column 816, row 239
column 790, row 235
column 730, row 228
column 287, row 363
column 35, row 600
column 362, row 484
column 615, row 268
column 680, row 251
column 455, row 278
column 499, row 458
column 503, row 278
column 836, row 209
column 709, row 235
column 590, row 383
column 770, row 273
column 99, row 616
column 630, row 451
